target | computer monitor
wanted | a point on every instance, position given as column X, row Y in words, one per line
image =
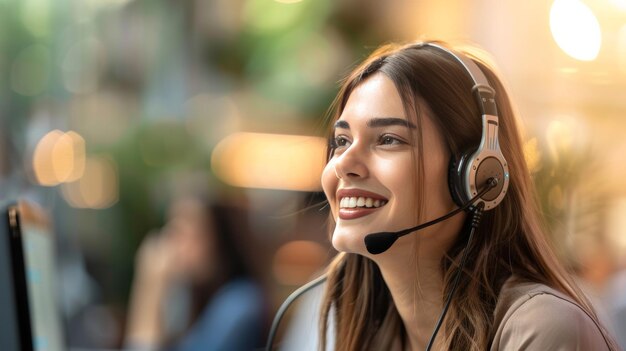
column 29, row 311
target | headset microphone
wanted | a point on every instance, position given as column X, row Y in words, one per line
column 380, row 242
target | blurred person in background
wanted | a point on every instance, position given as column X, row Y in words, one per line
column 192, row 288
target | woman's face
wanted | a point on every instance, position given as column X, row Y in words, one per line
column 370, row 180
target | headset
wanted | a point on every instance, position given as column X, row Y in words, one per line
column 477, row 178
column 475, row 166
column 472, row 169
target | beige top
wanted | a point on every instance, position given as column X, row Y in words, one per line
column 532, row 316
column 528, row 316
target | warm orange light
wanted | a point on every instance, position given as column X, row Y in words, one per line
column 62, row 157
column 98, row 188
column 270, row 161
column 43, row 159
column 532, row 155
column 564, row 136
column 575, row 29
column 620, row 4
column 59, row 157
column 616, row 228
column 78, row 156
column 297, row 261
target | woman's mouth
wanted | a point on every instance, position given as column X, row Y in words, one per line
column 360, row 202
column 352, row 207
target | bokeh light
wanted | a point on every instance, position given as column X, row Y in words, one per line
column 575, row 29
column 59, row 157
column 287, row 1
column 272, row 16
column 270, row 161
column 98, row 188
column 63, row 157
column 78, row 154
column 620, row 4
column 43, row 163
column 532, row 155
column 565, row 135
column 617, row 228
column 36, row 16
column 297, row 261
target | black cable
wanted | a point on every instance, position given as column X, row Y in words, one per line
column 491, row 183
column 380, row 242
column 477, row 213
column 476, row 217
column 283, row 308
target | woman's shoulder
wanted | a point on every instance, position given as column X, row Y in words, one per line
column 534, row 316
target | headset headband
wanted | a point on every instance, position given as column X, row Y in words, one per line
column 483, row 92
column 487, row 160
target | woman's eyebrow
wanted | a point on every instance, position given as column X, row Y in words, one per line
column 379, row 122
column 389, row 121
column 342, row 125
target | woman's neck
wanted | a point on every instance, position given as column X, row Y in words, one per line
column 418, row 301
column 412, row 271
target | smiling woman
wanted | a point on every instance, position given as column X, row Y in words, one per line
column 381, row 150
column 403, row 124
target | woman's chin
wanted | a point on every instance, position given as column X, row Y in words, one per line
column 348, row 241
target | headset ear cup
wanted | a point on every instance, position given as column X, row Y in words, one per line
column 456, row 178
column 454, row 181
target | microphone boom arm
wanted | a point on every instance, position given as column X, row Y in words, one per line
column 380, row 242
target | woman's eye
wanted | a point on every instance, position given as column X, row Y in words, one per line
column 389, row 140
column 340, row 141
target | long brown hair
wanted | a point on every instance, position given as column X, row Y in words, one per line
column 510, row 240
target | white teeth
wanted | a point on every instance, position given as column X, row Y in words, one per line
column 360, row 202
column 352, row 202
column 367, row 202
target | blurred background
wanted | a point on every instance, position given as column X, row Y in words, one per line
column 112, row 111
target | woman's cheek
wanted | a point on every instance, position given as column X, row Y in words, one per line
column 329, row 185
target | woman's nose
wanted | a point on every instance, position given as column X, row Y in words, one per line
column 351, row 163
